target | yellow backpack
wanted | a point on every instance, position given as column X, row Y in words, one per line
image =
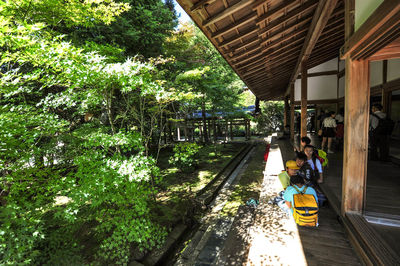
column 305, row 208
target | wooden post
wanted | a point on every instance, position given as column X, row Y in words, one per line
column 285, row 113
column 386, row 95
column 201, row 136
column 356, row 135
column 292, row 112
column 356, row 122
column 303, row 130
column 249, row 129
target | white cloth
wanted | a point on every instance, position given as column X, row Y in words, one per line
column 329, row 122
column 339, row 118
column 318, row 164
column 374, row 121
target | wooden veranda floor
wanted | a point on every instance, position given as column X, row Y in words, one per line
column 276, row 238
column 382, row 196
column 327, row 244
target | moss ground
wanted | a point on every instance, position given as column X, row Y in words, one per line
column 177, row 190
column 249, row 183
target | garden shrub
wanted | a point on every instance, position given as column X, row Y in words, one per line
column 185, row 156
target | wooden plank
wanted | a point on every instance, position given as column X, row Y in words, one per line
column 227, row 12
column 378, row 40
column 287, row 37
column 290, row 15
column 297, row 23
column 235, row 25
column 238, row 37
column 318, row 23
column 322, row 73
column 356, row 135
column 375, row 26
column 201, row 4
column 389, row 52
column 279, row 9
column 375, row 247
column 248, row 57
column 242, row 45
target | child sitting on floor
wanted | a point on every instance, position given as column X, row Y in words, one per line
column 314, row 163
column 291, row 170
column 305, row 170
column 284, row 178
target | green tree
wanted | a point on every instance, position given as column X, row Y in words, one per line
column 141, row 30
column 202, row 70
column 70, row 159
column 271, row 117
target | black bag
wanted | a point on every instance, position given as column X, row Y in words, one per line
column 385, row 126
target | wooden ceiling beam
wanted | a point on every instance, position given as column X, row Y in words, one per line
column 286, row 37
column 236, row 57
column 235, row 25
column 201, row 4
column 288, row 51
column 386, row 38
column 388, row 52
column 248, row 60
column 274, row 74
column 294, row 13
column 227, row 12
column 260, row 64
column 271, row 94
column 383, row 19
column 238, row 37
column 243, row 45
column 252, row 71
column 245, row 65
column 286, row 47
column 279, row 9
column 288, row 27
column 321, row 17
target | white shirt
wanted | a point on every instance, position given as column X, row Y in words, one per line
column 317, row 162
column 329, row 122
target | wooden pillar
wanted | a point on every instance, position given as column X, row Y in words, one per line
column 303, row 129
column 285, row 113
column 292, row 112
column 249, row 129
column 386, row 95
column 356, row 122
column 356, row 135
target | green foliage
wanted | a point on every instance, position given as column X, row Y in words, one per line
column 61, row 173
column 185, row 156
column 69, row 12
column 140, row 30
column 271, row 117
column 76, row 123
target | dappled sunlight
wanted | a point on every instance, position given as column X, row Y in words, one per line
column 274, row 236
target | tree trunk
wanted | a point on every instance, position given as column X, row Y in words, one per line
column 203, row 114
